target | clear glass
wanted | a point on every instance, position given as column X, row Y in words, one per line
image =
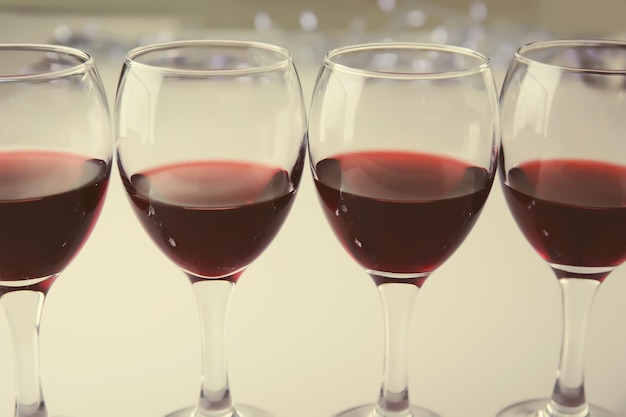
column 55, row 160
column 403, row 143
column 211, row 144
column 564, row 179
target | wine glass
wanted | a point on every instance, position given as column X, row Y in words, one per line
column 211, row 144
column 403, row 143
column 55, row 160
column 564, row 180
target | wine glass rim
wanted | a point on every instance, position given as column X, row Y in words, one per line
column 484, row 62
column 285, row 61
column 520, row 54
column 85, row 63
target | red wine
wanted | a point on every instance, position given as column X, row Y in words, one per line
column 400, row 212
column 49, row 203
column 573, row 212
column 212, row 219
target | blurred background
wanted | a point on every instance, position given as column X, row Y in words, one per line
column 108, row 28
column 495, row 27
column 120, row 334
column 559, row 16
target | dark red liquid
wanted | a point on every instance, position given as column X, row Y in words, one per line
column 49, row 203
column 212, row 218
column 401, row 212
column 572, row 212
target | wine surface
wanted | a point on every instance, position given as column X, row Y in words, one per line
column 212, row 219
column 400, row 212
column 573, row 212
column 49, row 203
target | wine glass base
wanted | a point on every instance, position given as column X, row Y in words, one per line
column 241, row 410
column 369, row 410
column 536, row 408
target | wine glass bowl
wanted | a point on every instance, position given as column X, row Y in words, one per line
column 403, row 144
column 211, row 144
column 55, row 161
column 564, row 180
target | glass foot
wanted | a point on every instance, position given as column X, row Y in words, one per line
column 370, row 411
column 241, row 410
column 536, row 408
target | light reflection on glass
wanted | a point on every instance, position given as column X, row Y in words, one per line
column 387, row 5
column 262, row 22
column 415, row 18
column 439, row 34
column 308, row 21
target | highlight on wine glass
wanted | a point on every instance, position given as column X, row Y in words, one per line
column 403, row 142
column 211, row 145
column 55, row 160
column 563, row 172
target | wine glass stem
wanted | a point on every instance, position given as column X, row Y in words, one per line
column 398, row 300
column 23, row 311
column 213, row 297
column 568, row 397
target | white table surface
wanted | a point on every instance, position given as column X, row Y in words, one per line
column 120, row 333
